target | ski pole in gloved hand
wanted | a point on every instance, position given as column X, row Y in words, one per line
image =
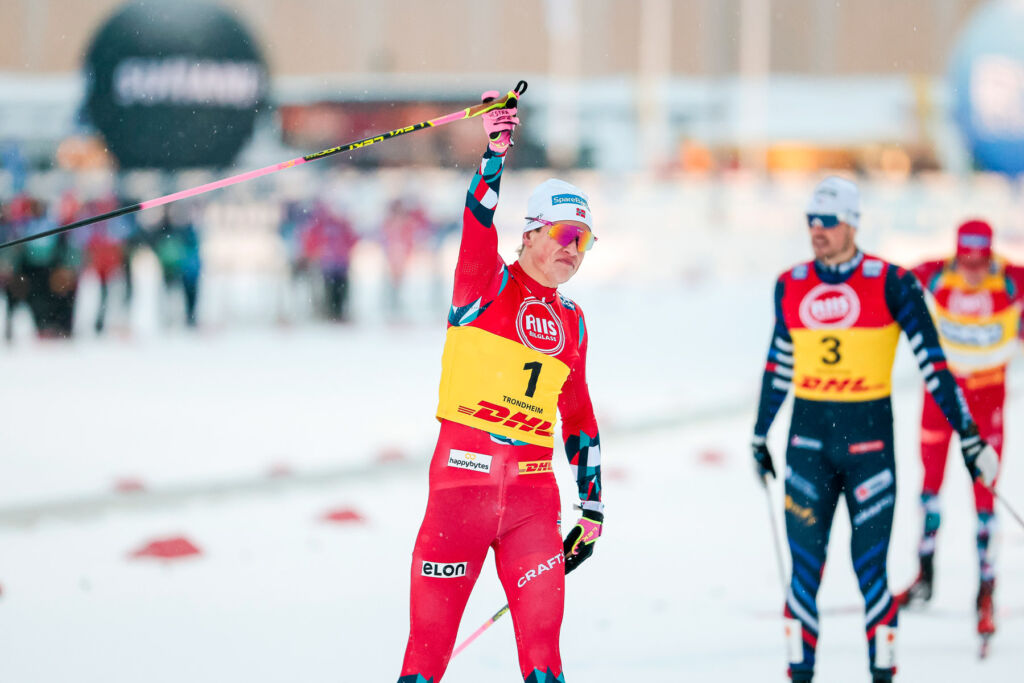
column 980, row 458
column 507, row 103
column 766, row 469
column 579, row 543
column 983, row 464
column 577, row 547
column 499, row 123
column 762, row 458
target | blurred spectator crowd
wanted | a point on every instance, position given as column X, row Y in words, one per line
column 349, row 245
column 319, row 239
column 44, row 274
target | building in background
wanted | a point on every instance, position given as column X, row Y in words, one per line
column 706, row 115
column 615, row 84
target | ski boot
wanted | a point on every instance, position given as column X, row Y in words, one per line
column 920, row 591
column 986, row 614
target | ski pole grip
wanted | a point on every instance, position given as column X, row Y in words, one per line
column 513, row 96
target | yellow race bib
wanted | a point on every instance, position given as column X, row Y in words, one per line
column 848, row 364
column 500, row 386
column 975, row 343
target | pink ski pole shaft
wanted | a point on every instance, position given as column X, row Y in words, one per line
column 510, row 100
column 486, row 625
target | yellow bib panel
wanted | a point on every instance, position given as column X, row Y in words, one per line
column 500, row 386
column 975, row 343
column 847, row 364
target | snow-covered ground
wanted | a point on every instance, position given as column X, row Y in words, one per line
column 242, row 439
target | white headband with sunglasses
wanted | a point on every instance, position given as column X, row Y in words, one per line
column 837, row 198
column 556, row 200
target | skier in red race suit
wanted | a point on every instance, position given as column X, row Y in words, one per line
column 515, row 351
column 976, row 299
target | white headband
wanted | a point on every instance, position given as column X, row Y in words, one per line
column 556, row 200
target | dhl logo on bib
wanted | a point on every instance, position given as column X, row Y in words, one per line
column 838, row 385
column 500, row 386
column 535, row 467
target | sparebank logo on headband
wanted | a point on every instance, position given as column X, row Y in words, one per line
column 569, row 199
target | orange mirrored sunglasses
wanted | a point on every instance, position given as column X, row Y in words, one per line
column 565, row 234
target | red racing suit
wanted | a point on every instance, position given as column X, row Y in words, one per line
column 979, row 329
column 515, row 351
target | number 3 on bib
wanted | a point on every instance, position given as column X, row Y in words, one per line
column 832, row 349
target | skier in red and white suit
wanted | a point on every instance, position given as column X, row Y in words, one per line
column 515, row 352
column 976, row 300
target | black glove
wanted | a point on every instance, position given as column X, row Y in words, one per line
column 579, row 544
column 762, row 458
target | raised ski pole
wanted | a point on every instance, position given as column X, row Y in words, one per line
column 509, row 100
column 476, row 634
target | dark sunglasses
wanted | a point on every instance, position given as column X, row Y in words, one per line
column 820, row 220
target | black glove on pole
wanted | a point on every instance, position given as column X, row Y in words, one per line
column 579, row 544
